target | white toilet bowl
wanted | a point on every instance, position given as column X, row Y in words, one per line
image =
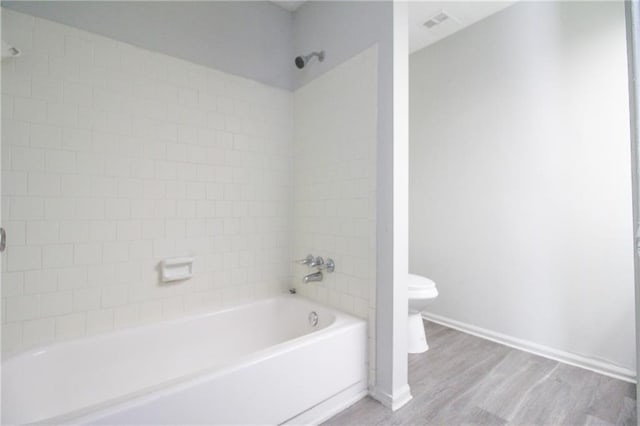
column 421, row 290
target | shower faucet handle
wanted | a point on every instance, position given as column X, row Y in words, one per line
column 330, row 265
column 317, row 262
column 307, row 260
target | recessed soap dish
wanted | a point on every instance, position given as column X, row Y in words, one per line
column 176, row 269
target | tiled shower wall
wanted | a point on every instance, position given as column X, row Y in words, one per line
column 335, row 197
column 114, row 158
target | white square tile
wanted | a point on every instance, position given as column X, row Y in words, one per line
column 29, row 109
column 99, row 321
column 15, row 83
column 70, row 326
column 115, row 252
column 57, row 208
column 61, row 162
column 85, row 299
column 45, row 136
column 11, row 337
column 24, row 258
column 38, row 332
column 57, row 256
column 27, row 159
column 115, row 295
column 61, row 114
column 87, row 253
column 53, row 304
column 44, row 184
column 77, row 93
column 14, row 183
column 40, row 281
column 72, row 232
column 72, row 278
column 21, row 308
column 15, row 132
column 126, row 316
column 46, row 89
column 12, row 284
column 42, row 232
column 78, row 50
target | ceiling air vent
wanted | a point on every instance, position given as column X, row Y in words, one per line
column 437, row 19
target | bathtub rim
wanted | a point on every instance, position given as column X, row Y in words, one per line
column 342, row 322
column 41, row 348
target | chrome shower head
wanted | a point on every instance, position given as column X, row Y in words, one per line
column 301, row 61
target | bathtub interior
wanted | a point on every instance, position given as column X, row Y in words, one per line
column 70, row 376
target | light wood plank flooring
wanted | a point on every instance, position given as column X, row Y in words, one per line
column 466, row 380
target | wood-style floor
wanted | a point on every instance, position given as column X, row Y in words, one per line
column 466, row 380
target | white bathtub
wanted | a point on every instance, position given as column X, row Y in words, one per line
column 258, row 363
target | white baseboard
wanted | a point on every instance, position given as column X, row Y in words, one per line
column 392, row 401
column 598, row 366
column 330, row 407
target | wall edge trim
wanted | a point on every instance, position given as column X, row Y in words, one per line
column 394, row 402
column 597, row 366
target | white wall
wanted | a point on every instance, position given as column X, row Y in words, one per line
column 632, row 14
column 343, row 29
column 334, row 173
column 251, row 39
column 520, row 197
column 397, row 305
column 114, row 158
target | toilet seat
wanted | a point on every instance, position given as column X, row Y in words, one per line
column 421, row 287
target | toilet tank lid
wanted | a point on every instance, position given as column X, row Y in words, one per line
column 418, row 281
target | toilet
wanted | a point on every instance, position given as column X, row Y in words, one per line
column 421, row 291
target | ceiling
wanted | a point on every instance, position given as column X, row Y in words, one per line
column 461, row 15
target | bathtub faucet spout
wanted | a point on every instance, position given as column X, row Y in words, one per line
column 316, row 276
